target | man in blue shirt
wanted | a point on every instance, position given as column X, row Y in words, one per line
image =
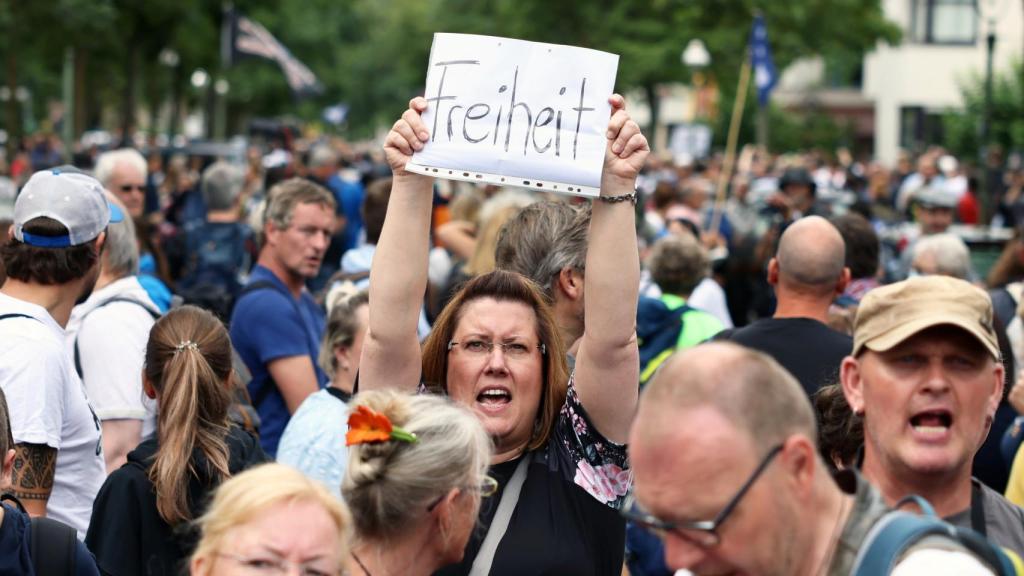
column 276, row 325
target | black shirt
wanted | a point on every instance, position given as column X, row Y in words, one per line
column 566, row 522
column 127, row 534
column 810, row 350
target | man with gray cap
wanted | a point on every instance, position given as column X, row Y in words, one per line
column 925, row 376
column 52, row 262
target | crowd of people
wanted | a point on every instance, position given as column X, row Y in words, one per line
column 314, row 361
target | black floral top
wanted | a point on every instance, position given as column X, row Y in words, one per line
column 566, row 522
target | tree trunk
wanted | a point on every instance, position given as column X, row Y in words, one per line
column 176, row 96
column 128, row 98
column 13, row 120
column 651, row 91
column 81, row 105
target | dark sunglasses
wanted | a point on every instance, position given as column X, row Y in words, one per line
column 703, row 533
column 130, row 187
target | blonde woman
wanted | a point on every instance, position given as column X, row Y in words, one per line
column 141, row 520
column 417, row 471
column 272, row 520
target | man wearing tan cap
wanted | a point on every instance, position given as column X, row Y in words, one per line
column 926, row 377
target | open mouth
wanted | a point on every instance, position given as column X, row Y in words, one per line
column 494, row 397
column 932, row 421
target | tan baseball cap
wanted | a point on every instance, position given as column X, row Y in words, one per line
column 890, row 314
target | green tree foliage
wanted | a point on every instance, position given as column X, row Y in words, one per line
column 372, row 55
column 962, row 127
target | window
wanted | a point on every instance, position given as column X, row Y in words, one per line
column 919, row 128
column 944, row 21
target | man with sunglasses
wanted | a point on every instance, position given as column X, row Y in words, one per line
column 727, row 473
column 123, row 172
column 926, row 377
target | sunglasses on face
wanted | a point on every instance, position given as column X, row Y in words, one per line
column 129, row 187
column 703, row 533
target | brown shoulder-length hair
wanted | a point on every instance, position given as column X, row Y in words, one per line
column 504, row 286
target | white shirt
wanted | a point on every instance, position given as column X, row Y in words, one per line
column 112, row 349
column 48, row 405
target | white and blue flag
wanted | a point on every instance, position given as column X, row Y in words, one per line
column 761, row 59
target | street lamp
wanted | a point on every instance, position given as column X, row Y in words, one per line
column 696, row 58
column 696, row 54
column 169, row 57
column 220, row 88
column 200, row 78
column 988, row 171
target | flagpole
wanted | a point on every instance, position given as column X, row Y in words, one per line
column 219, row 84
column 739, row 103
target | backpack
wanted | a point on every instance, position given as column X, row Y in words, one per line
column 217, row 254
column 898, row 531
column 52, row 544
column 152, row 312
column 657, row 330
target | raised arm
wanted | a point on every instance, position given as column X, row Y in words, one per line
column 391, row 355
column 608, row 364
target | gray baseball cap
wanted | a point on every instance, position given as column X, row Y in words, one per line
column 74, row 199
column 936, row 195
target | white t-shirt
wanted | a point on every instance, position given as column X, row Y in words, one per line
column 112, row 349
column 48, row 405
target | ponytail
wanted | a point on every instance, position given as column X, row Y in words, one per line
column 188, row 361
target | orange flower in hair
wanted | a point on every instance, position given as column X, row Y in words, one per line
column 366, row 425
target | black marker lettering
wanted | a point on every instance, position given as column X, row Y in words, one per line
column 579, row 116
column 512, row 111
column 453, row 108
column 558, row 134
column 497, row 124
column 440, row 89
column 539, row 124
column 470, row 116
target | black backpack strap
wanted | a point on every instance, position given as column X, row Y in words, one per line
column 268, row 384
column 152, row 312
column 1004, row 305
column 53, row 547
column 17, row 503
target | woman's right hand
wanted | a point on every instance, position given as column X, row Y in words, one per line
column 408, row 135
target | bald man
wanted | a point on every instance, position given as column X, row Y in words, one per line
column 807, row 273
column 726, row 469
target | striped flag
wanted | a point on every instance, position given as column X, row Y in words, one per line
column 250, row 38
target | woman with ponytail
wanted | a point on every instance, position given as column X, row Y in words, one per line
column 142, row 518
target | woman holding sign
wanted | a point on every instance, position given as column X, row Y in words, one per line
column 559, row 453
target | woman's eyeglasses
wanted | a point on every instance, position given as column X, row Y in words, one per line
column 482, row 348
column 487, row 487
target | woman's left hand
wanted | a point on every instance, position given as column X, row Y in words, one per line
column 627, row 148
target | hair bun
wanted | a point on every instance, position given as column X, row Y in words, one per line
column 371, row 461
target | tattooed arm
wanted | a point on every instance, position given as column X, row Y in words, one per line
column 32, row 477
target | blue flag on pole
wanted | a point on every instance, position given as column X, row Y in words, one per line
column 761, row 59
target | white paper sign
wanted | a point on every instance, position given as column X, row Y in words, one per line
column 516, row 113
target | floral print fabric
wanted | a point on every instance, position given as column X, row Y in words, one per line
column 601, row 466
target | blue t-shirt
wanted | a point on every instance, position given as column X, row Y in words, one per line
column 266, row 325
